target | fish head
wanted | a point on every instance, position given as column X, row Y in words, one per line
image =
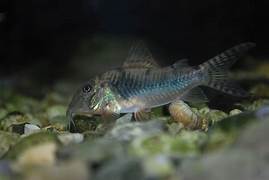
column 81, row 103
column 93, row 98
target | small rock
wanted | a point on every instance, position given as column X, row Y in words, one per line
column 56, row 110
column 18, row 103
column 59, row 123
column 3, row 113
column 29, row 142
column 255, row 105
column 30, row 128
column 127, row 118
column 69, row 138
column 40, row 155
column 159, row 166
column 6, row 171
column 7, row 140
column 175, row 128
column 232, row 164
column 216, row 115
column 63, row 171
column 204, row 110
column 255, row 138
column 184, row 144
column 98, row 151
column 129, row 131
column 263, row 113
column 14, row 122
column 121, row 169
column 234, row 112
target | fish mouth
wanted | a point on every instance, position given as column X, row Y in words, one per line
column 73, row 115
column 86, row 114
column 76, row 120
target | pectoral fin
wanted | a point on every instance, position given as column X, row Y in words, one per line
column 109, row 115
column 195, row 95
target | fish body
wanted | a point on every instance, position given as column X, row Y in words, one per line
column 138, row 89
column 141, row 84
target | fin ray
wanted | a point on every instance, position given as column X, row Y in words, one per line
column 142, row 115
column 182, row 63
column 195, row 95
column 216, row 70
column 139, row 56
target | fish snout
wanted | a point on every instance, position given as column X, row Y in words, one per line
column 73, row 112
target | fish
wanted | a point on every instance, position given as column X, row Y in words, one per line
column 141, row 84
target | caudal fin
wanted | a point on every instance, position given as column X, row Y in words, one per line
column 216, row 70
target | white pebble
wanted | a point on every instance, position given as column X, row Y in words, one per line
column 69, row 138
column 30, row 128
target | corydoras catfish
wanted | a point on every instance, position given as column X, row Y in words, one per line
column 141, row 84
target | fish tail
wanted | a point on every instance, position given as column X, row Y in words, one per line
column 216, row 69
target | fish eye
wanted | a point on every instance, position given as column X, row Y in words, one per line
column 87, row 88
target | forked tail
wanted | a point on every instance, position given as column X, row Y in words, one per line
column 215, row 70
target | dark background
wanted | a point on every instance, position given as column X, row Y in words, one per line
column 46, row 33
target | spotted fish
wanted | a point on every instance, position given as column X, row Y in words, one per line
column 141, row 84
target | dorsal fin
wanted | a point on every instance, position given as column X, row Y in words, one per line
column 181, row 64
column 139, row 56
